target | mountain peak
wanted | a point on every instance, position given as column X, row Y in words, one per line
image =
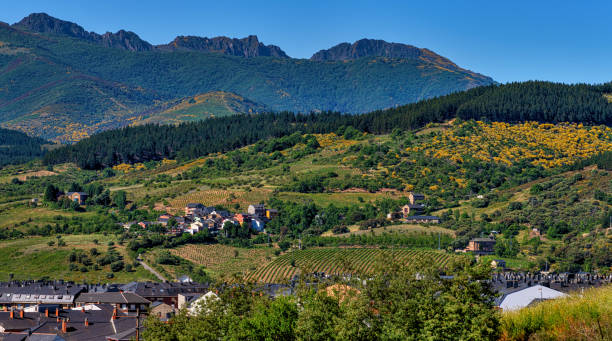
column 46, row 24
column 245, row 47
column 368, row 48
column 379, row 48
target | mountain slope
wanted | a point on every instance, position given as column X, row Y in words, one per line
column 40, row 53
column 199, row 107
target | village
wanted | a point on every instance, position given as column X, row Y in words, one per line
column 198, row 218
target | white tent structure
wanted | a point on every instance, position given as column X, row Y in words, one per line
column 522, row 298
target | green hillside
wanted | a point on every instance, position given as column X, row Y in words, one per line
column 17, row 147
column 516, row 102
column 199, row 107
column 50, row 78
column 334, row 191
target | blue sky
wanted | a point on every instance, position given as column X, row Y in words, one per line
column 565, row 41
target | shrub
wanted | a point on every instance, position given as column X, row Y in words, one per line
column 117, row 266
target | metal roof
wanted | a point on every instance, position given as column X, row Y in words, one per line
column 522, row 298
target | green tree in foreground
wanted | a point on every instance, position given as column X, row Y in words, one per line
column 398, row 302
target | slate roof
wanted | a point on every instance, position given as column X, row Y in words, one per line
column 79, row 193
column 423, row 217
column 39, row 292
column 155, row 289
column 111, row 297
column 47, row 328
column 482, row 240
column 126, row 335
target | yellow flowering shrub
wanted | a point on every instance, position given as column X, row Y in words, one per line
column 542, row 144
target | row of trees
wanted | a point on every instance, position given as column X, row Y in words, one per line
column 399, row 302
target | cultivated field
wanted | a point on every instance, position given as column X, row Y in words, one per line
column 227, row 198
column 339, row 261
column 223, row 260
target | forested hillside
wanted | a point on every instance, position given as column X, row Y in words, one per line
column 18, row 147
column 535, row 101
column 86, row 82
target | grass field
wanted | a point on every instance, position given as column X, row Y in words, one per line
column 20, row 216
column 222, row 260
column 581, row 316
column 339, row 261
column 33, row 258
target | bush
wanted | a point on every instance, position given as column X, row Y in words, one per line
column 340, row 230
column 515, row 206
column 166, row 258
column 117, row 266
column 284, row 245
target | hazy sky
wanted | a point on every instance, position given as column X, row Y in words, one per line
column 514, row 40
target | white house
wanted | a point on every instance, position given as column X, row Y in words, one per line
column 195, row 227
column 197, row 305
column 522, row 298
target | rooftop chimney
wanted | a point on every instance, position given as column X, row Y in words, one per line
column 114, row 314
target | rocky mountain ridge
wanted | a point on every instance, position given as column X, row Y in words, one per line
column 127, row 40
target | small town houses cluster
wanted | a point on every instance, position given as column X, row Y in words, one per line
column 198, row 217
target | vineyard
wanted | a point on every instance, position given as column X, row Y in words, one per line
column 212, row 197
column 339, row 261
column 223, row 259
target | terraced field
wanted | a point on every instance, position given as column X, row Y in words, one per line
column 339, row 261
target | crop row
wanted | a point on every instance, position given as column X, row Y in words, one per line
column 340, row 261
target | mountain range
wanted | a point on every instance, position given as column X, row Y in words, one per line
column 63, row 83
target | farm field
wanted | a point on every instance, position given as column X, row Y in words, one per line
column 222, row 260
column 228, row 198
column 33, row 258
column 403, row 228
column 339, row 261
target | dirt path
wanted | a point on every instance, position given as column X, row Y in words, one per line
column 151, row 270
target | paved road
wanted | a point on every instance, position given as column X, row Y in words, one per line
column 151, row 270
